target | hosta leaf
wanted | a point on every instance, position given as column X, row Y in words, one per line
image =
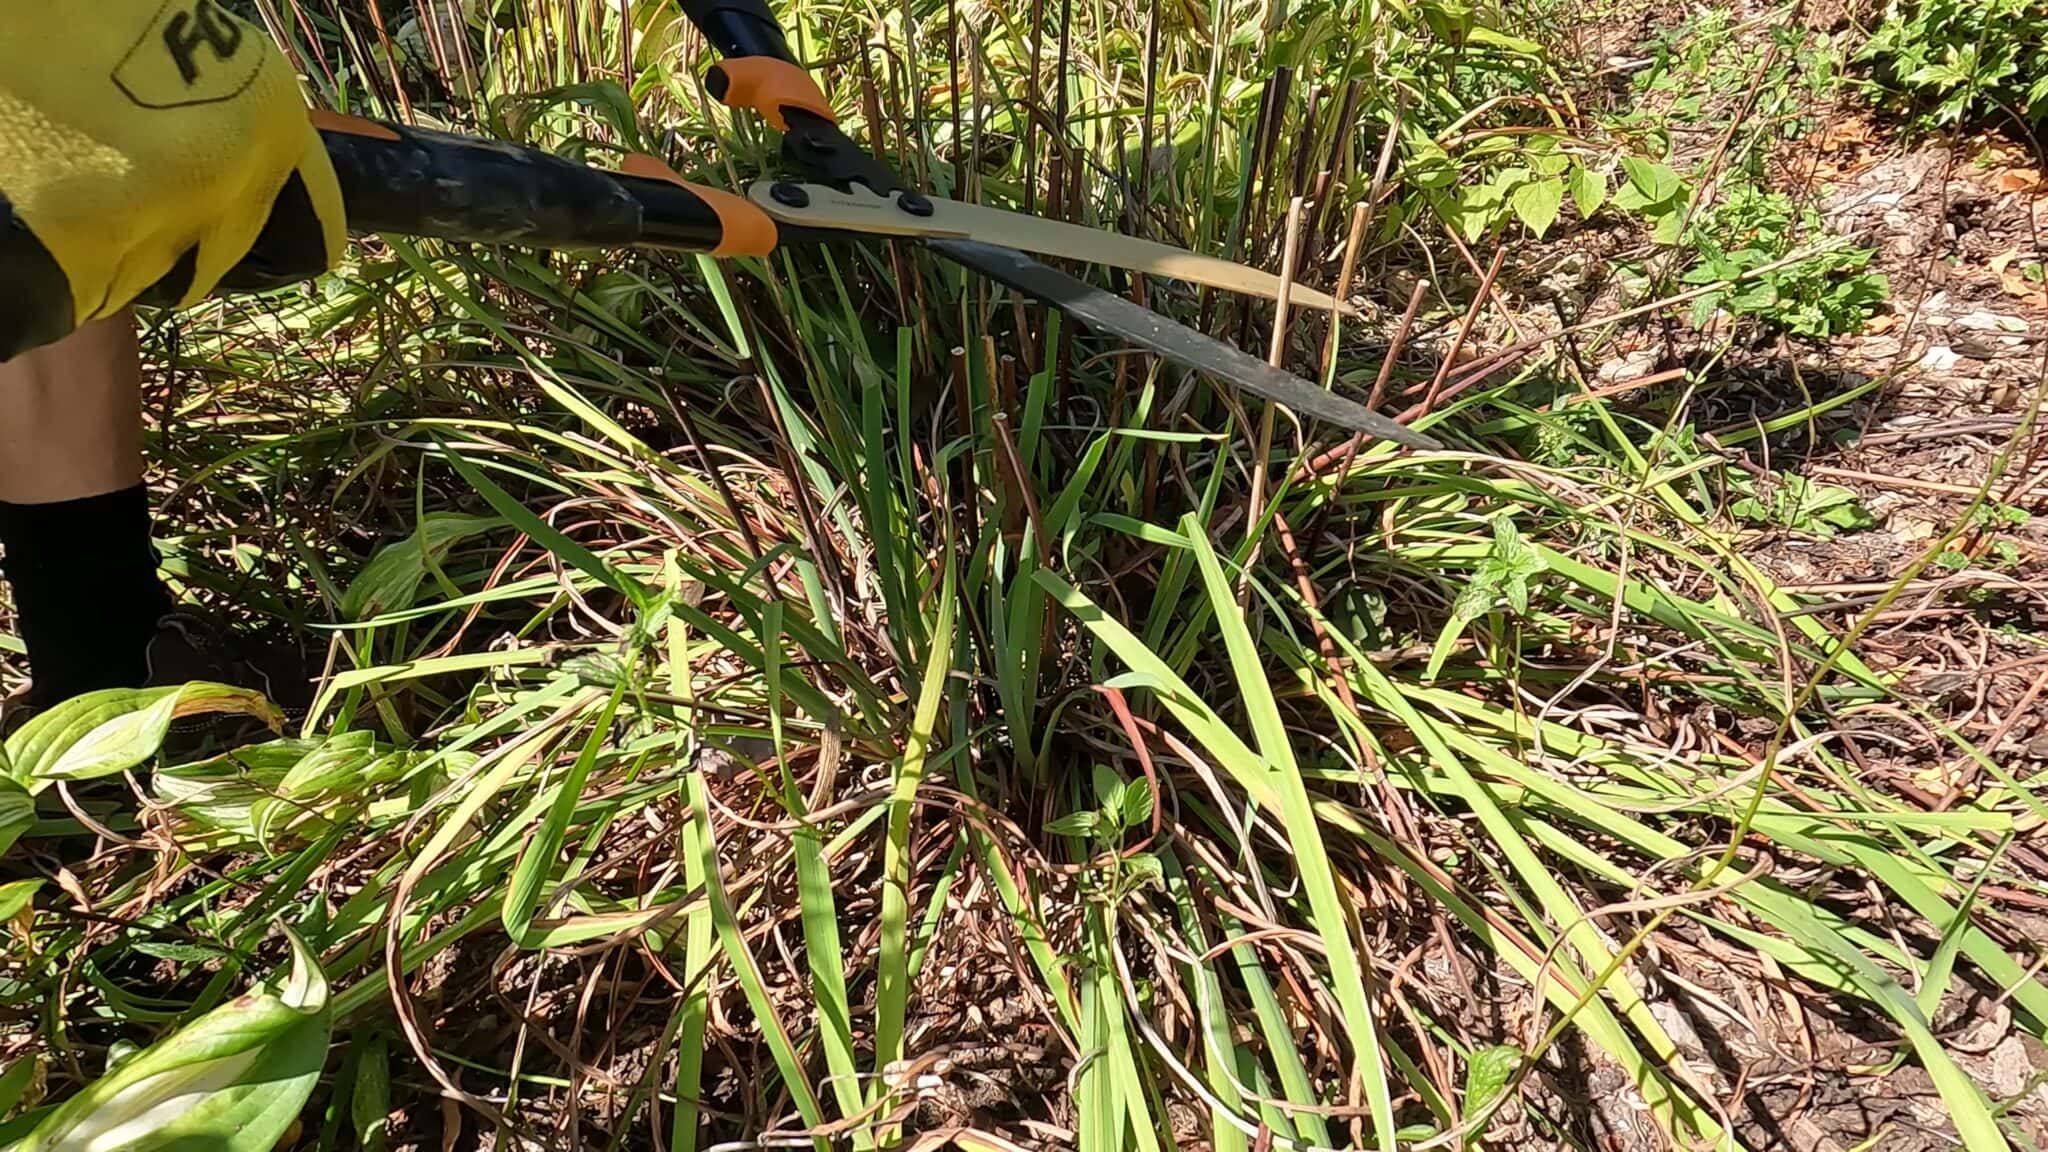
column 101, row 733
column 17, row 812
column 338, row 767
column 337, row 763
column 391, row 580
column 16, row 896
column 14, row 1083
column 221, row 792
column 231, row 1081
column 258, row 792
column 369, row 1106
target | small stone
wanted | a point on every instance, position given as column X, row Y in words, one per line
column 2005, row 1070
column 1976, row 347
column 1638, row 363
column 1983, row 321
column 1940, row 358
column 1910, row 532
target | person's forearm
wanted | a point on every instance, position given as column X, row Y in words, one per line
column 71, row 416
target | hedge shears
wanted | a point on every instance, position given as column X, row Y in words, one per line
column 428, row 183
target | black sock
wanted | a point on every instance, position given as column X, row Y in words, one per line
column 86, row 592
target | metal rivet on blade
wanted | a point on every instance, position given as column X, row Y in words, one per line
column 789, row 194
column 915, row 204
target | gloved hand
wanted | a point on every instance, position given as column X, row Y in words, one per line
column 152, row 150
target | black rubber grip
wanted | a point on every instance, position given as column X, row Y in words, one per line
column 739, row 27
column 451, row 187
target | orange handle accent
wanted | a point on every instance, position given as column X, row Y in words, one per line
column 767, row 85
column 744, row 229
column 329, row 121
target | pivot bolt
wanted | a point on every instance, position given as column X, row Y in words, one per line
column 789, row 194
column 914, row 203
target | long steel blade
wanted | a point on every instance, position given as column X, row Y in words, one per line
column 1113, row 315
column 859, row 210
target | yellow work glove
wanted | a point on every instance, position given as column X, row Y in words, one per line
column 149, row 149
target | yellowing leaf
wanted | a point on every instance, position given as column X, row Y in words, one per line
column 101, row 733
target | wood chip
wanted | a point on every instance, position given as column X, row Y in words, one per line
column 2018, row 180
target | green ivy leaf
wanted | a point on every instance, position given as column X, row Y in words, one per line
column 1488, row 1072
column 1589, row 191
column 1544, row 158
column 1144, row 869
column 1669, row 227
column 1478, row 208
column 1080, row 825
column 1136, row 805
column 1427, row 165
column 1109, row 787
column 1657, row 183
column 1536, row 203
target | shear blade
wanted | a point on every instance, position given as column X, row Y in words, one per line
column 860, row 210
column 1113, row 315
